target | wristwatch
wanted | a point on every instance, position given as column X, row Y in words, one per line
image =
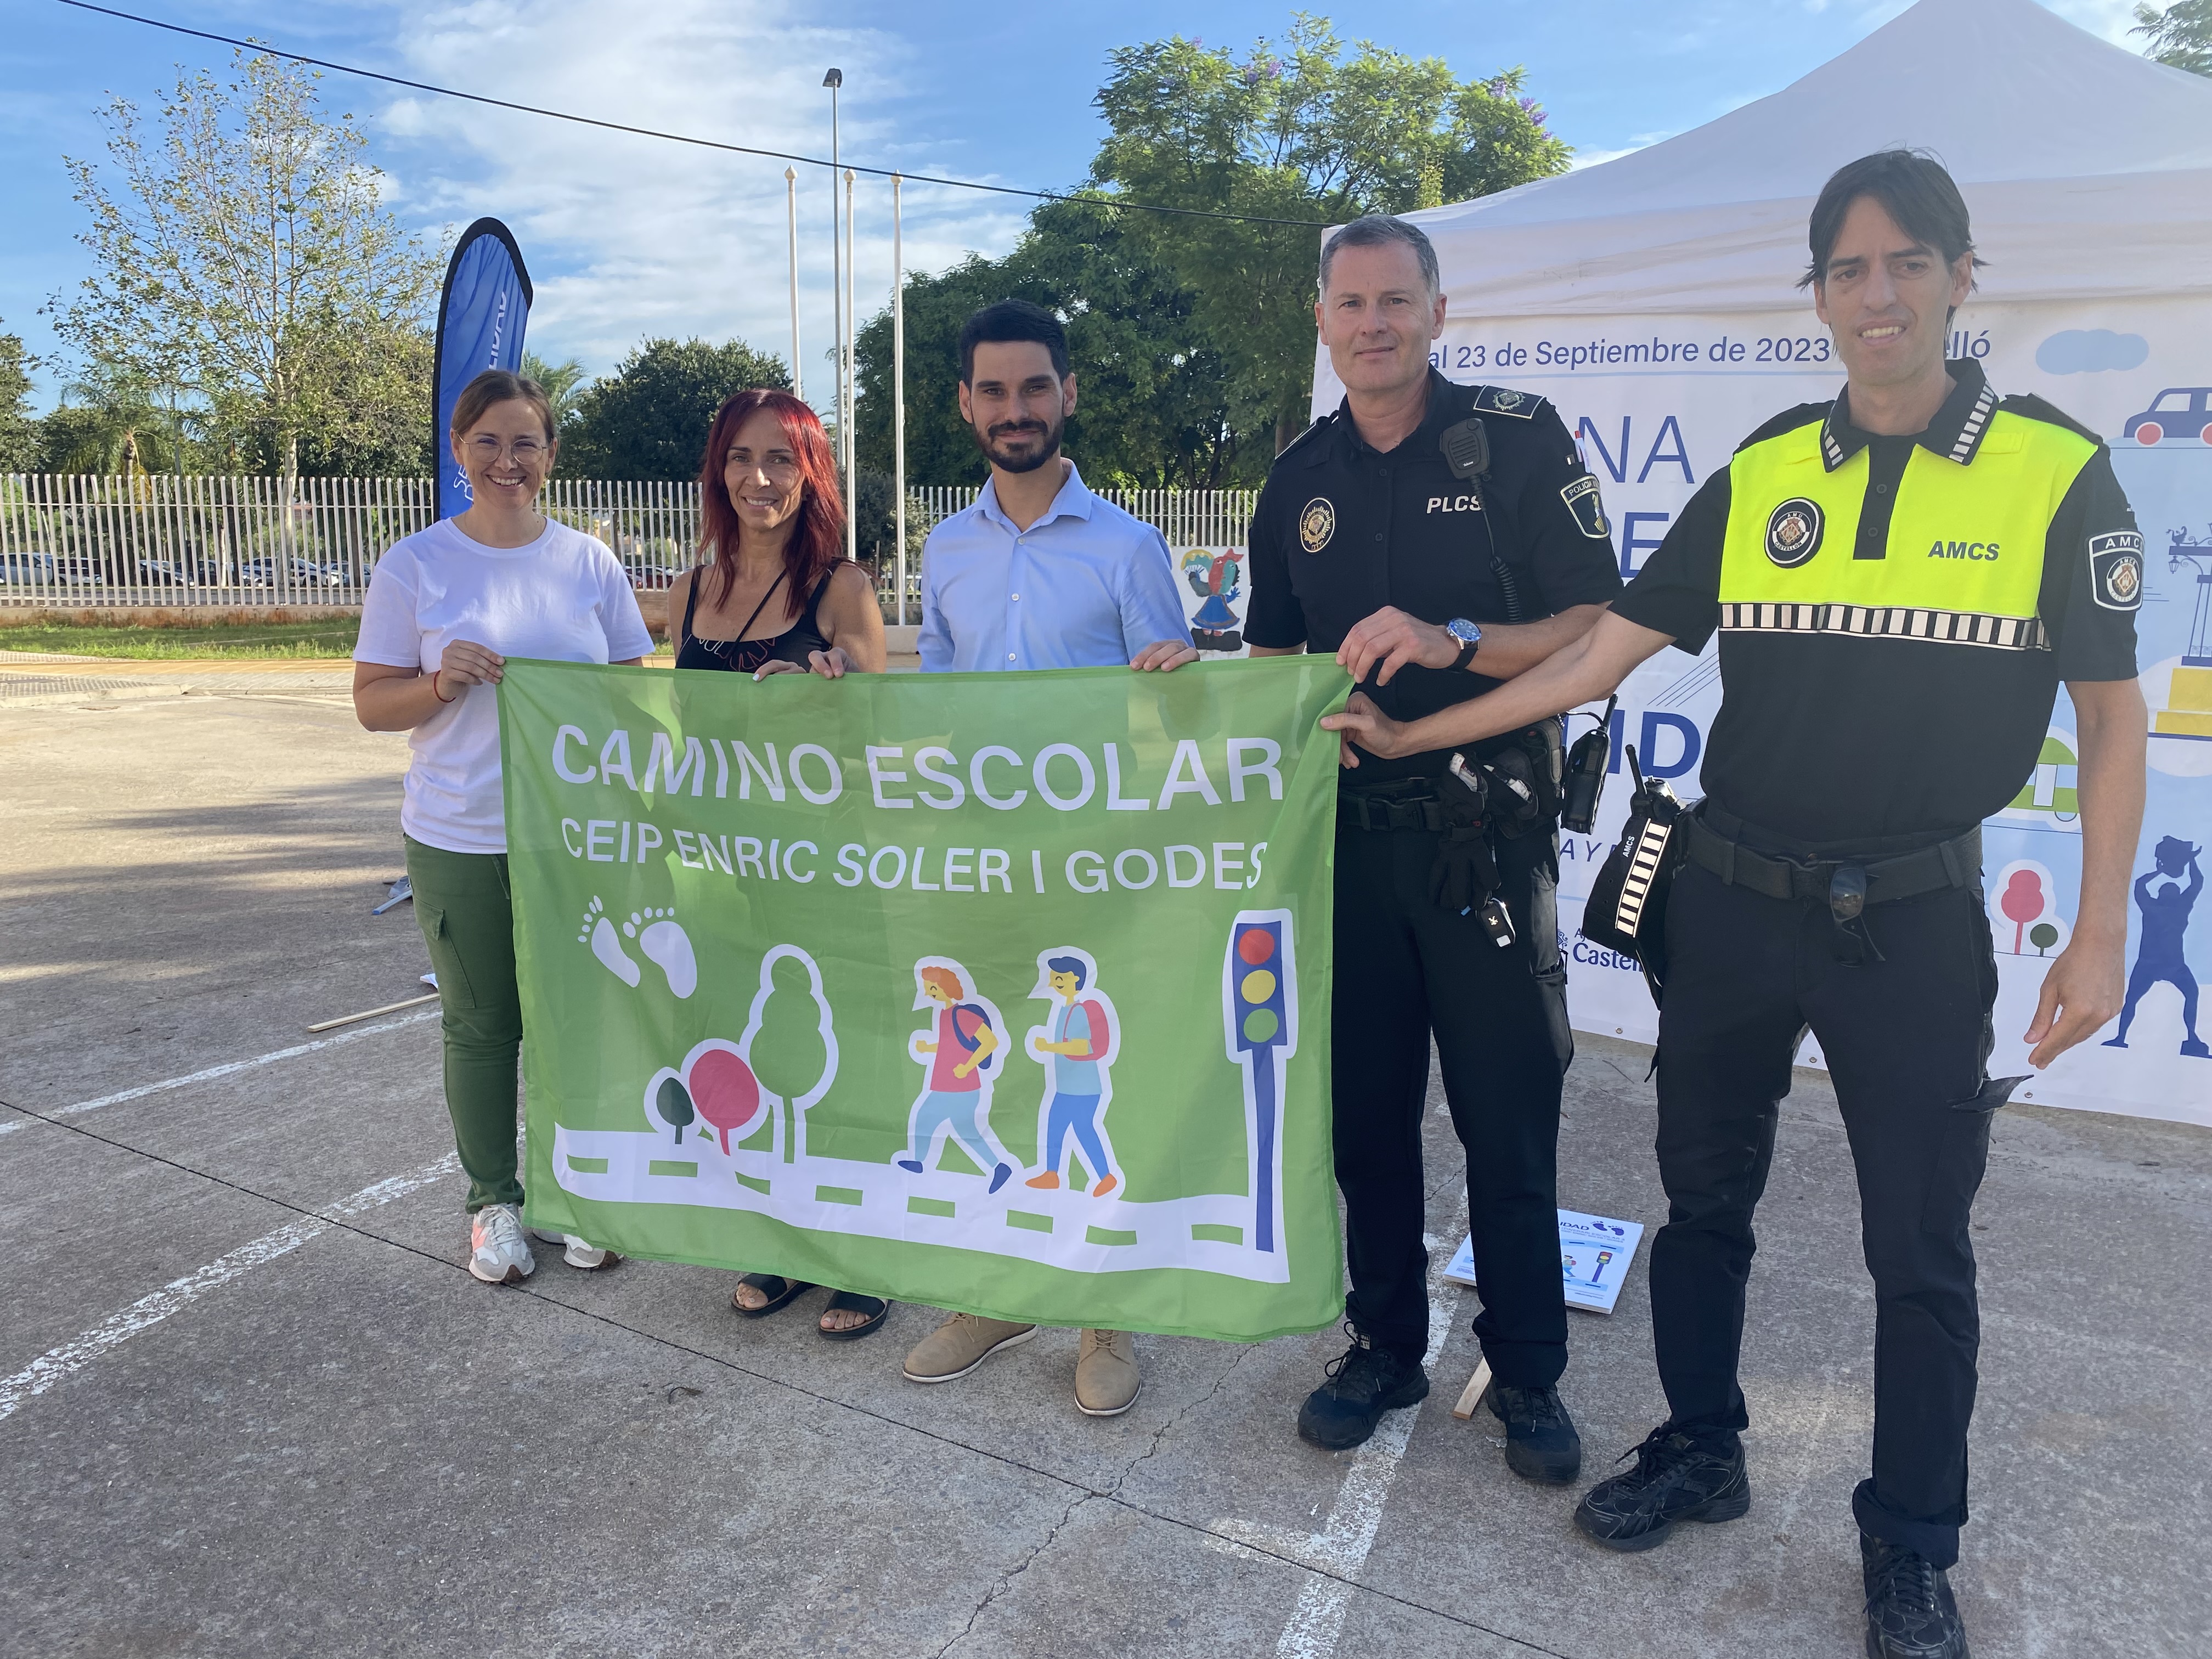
column 1469, row 636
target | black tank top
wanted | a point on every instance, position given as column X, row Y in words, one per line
column 744, row 656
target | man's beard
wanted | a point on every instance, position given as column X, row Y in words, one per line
column 990, row 442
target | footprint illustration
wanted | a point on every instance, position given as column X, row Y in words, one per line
column 598, row 930
column 666, row 945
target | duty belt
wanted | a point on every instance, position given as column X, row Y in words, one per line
column 1409, row 806
column 1837, row 882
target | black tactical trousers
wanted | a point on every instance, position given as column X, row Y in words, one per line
column 1405, row 970
column 1906, row 1039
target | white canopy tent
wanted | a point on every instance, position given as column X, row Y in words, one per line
column 1653, row 299
column 2088, row 168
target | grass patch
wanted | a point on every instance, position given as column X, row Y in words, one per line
column 327, row 636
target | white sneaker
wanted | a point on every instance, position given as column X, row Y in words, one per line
column 576, row 1252
column 499, row 1254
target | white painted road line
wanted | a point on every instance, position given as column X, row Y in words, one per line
column 224, row 1070
column 70, row 1358
column 1339, row 1549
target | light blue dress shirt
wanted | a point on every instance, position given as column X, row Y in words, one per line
column 1087, row 585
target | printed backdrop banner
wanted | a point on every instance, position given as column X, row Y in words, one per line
column 1000, row 992
column 1659, row 402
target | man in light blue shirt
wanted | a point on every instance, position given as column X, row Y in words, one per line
column 1039, row 573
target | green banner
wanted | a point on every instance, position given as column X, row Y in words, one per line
column 1001, row 993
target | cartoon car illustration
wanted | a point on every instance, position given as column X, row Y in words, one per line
column 2178, row 414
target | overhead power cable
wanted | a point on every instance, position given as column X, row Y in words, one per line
column 266, row 50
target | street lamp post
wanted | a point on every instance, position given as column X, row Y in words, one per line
column 852, row 382
column 791, row 214
column 898, row 393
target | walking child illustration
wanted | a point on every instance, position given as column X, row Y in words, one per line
column 1077, row 1041
column 2159, row 953
column 959, row 1054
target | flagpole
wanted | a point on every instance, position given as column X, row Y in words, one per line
column 845, row 421
column 898, row 391
column 835, row 80
column 791, row 206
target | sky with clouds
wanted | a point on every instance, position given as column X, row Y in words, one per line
column 628, row 237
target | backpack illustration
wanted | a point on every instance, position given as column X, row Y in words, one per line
column 1094, row 1012
column 961, row 1033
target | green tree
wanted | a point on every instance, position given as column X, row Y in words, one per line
column 1299, row 130
column 243, row 258
column 118, row 428
column 2181, row 35
column 1192, row 338
column 565, row 383
column 19, row 432
column 649, row 418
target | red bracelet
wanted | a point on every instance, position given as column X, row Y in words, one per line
column 434, row 687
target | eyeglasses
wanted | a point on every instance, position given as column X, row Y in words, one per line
column 489, row 450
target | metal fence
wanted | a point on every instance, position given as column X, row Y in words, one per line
column 68, row 542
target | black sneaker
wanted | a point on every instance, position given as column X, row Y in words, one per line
column 1910, row 1614
column 1540, row 1441
column 1364, row 1382
column 1675, row 1478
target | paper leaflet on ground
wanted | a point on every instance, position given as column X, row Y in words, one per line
column 1595, row 1254
column 983, row 991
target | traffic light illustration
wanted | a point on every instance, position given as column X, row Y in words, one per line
column 1259, row 1016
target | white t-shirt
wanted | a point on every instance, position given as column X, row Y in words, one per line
column 563, row 596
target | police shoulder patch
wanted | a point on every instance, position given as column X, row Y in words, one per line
column 1504, row 400
column 1584, row 501
column 2115, row 569
column 1316, row 523
column 1793, row 531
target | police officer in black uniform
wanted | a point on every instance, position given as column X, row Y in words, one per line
column 1439, row 539
column 1900, row 578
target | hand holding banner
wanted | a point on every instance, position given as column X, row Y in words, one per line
column 979, row 990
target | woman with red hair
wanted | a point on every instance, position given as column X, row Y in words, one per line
column 773, row 593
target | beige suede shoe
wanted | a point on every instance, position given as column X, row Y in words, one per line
column 1106, row 1379
column 959, row 1345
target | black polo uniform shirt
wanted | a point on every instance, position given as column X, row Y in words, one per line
column 1342, row 530
column 1866, row 720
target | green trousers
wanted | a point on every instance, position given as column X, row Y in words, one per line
column 467, row 912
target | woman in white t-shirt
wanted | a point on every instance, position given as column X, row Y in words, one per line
column 445, row 608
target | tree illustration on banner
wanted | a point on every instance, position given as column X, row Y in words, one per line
column 791, row 1043
column 2025, row 917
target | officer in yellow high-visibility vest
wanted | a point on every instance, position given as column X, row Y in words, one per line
column 1900, row 580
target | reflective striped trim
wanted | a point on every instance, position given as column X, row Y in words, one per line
column 1642, row 870
column 1970, row 434
column 1892, row 621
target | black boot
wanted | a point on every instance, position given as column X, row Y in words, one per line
column 1540, row 1441
column 1910, row 1614
column 1364, row 1382
column 1676, row 1478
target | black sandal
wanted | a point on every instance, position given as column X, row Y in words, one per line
column 778, row 1290
column 852, row 1300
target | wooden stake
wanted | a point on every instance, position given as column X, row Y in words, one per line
column 371, row 1013
column 1471, row 1396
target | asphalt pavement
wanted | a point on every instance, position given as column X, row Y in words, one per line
column 251, row 1401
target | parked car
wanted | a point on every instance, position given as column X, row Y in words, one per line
column 2180, row 415
column 27, row 567
column 171, row 573
column 306, row 573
